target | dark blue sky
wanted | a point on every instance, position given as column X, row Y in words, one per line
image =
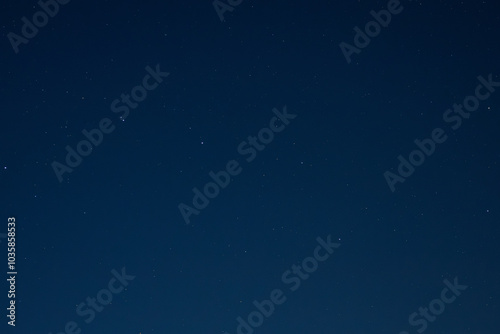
column 301, row 143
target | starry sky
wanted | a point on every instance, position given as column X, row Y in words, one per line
column 246, row 167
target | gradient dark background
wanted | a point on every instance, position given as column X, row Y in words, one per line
column 322, row 176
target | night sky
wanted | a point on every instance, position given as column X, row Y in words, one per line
column 250, row 167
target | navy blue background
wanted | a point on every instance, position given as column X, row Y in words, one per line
column 321, row 176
